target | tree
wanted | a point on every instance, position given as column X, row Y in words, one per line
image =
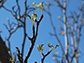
column 70, row 30
column 21, row 22
column 3, row 52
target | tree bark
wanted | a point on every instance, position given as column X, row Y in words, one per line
column 4, row 55
column 65, row 30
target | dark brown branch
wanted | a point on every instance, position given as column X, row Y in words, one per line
column 8, row 10
column 33, row 31
column 74, row 54
column 25, row 3
column 24, row 37
column 18, row 54
column 32, row 45
column 13, row 14
column 33, row 39
column 38, row 24
column 18, row 7
column 60, row 4
column 29, row 53
column 44, row 56
column 40, row 18
column 11, row 30
column 35, row 62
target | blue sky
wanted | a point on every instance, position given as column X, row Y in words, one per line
column 44, row 29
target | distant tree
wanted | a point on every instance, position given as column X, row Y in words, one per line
column 70, row 30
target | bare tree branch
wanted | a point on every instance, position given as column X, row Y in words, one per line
column 33, row 38
column 44, row 56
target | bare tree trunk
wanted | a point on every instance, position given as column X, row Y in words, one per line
column 76, row 60
column 65, row 30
